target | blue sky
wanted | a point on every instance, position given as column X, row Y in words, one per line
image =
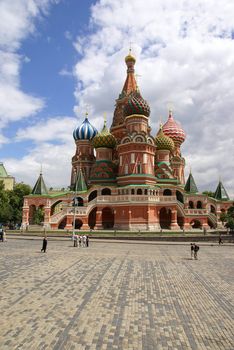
column 59, row 56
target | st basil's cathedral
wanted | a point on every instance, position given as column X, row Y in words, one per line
column 124, row 178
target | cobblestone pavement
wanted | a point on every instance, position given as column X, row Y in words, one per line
column 115, row 296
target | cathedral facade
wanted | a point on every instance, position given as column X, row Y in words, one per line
column 127, row 179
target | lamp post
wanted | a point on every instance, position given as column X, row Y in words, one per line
column 75, row 205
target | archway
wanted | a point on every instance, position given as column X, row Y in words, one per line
column 211, row 224
column 106, row 192
column 199, row 205
column 92, row 195
column 107, row 218
column 212, row 209
column 62, row 224
column 92, row 218
column 78, row 201
column 165, row 218
column 78, row 224
column 139, row 191
column 32, row 210
column 195, row 224
column 167, row 192
column 179, row 196
column 56, row 207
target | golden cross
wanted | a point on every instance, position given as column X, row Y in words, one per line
column 170, row 106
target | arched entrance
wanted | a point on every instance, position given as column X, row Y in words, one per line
column 165, row 218
column 107, row 218
column 195, row 224
column 62, row 224
column 78, row 224
column 92, row 218
column 32, row 210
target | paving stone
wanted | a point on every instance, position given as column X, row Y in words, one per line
column 115, row 296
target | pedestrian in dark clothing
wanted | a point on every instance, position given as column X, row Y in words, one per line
column 1, row 234
column 196, row 248
column 87, row 241
column 220, row 240
column 44, row 245
column 192, row 250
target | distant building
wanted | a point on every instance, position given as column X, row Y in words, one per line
column 7, row 180
column 134, row 181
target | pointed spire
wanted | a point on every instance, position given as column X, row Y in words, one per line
column 190, row 185
column 80, row 185
column 221, row 193
column 40, row 187
column 130, row 84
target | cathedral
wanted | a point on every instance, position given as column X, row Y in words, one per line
column 124, row 178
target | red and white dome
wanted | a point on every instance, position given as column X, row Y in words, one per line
column 173, row 129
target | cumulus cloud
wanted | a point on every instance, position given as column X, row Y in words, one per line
column 54, row 159
column 185, row 54
column 17, row 22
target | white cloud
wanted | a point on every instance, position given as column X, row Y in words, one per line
column 17, row 22
column 53, row 129
column 54, row 159
column 185, row 54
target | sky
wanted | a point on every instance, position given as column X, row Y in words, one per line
column 61, row 58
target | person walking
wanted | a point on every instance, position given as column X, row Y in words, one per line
column 44, row 244
column 75, row 239
column 4, row 239
column 220, row 240
column 192, row 251
column 196, row 248
column 1, row 234
column 87, row 241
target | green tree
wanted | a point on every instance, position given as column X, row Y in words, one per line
column 11, row 203
column 38, row 216
column 228, row 218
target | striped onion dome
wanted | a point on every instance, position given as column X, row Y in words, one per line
column 85, row 131
column 173, row 129
column 164, row 142
column 136, row 105
column 104, row 139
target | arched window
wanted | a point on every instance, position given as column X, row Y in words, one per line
column 132, row 191
column 139, row 170
column 78, row 202
column 179, row 196
column 139, row 191
column 212, row 209
column 191, row 205
column 199, row 205
column 106, row 192
column 167, row 192
column 145, row 191
column 92, row 195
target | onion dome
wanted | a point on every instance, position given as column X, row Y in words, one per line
column 136, row 105
column 164, row 142
column 130, row 58
column 173, row 129
column 104, row 139
column 85, row 131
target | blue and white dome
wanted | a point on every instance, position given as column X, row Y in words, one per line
column 85, row 131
